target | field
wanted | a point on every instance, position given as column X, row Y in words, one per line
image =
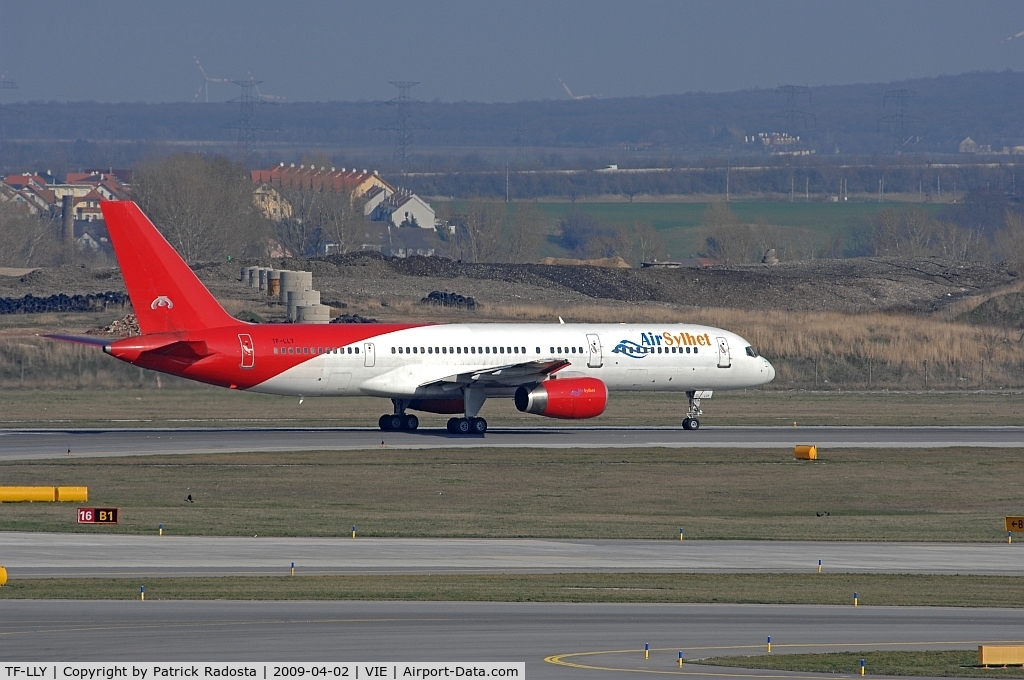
column 873, row 494
column 944, row 664
column 875, row 589
column 185, row 404
column 677, row 222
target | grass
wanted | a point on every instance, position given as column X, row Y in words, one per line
column 195, row 405
column 942, row 664
column 678, row 222
column 808, row 349
column 910, row 495
column 895, row 589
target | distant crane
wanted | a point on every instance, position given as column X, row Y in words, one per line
column 204, row 89
column 575, row 96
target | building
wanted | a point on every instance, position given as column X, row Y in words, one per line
column 404, row 209
column 268, row 197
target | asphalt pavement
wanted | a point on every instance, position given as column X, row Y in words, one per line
column 556, row 640
column 29, row 555
column 38, row 444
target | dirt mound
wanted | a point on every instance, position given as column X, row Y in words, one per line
column 613, row 262
column 852, row 285
column 1002, row 310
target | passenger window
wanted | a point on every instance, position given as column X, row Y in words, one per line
column 275, row 350
column 515, row 350
column 458, row 350
column 414, row 351
column 305, row 350
column 472, row 350
column 538, row 351
column 319, row 350
column 694, row 350
column 487, row 350
column 501, row 350
column 392, row 350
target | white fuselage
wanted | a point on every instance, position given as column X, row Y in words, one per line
column 415, row 362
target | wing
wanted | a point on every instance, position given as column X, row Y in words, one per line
column 508, row 375
column 420, row 380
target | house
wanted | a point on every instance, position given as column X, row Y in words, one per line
column 404, row 209
column 272, row 203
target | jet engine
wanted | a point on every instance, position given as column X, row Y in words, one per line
column 568, row 398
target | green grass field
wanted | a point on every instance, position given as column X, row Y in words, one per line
column 872, row 494
column 677, row 221
column 194, row 405
column 876, row 589
column 940, row 664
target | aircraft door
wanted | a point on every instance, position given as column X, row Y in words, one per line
column 368, row 355
column 724, row 358
column 248, row 351
column 596, row 361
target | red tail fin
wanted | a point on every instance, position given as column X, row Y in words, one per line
column 166, row 294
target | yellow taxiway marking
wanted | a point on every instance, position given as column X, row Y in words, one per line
column 560, row 659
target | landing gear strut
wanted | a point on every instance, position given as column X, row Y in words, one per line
column 399, row 420
column 467, row 425
column 692, row 412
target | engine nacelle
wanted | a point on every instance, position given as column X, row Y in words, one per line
column 568, row 398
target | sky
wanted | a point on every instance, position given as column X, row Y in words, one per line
column 489, row 51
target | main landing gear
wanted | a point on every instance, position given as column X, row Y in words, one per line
column 692, row 411
column 467, row 425
column 400, row 420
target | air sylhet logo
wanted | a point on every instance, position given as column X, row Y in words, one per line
column 162, row 301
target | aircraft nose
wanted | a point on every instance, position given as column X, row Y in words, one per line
column 770, row 369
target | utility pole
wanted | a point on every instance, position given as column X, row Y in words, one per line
column 727, row 169
column 247, row 102
column 403, row 132
column 807, row 189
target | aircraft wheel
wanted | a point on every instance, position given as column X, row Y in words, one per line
column 411, row 423
column 384, row 422
column 453, row 425
column 394, row 422
column 694, row 424
column 463, row 426
column 478, row 425
column 687, row 424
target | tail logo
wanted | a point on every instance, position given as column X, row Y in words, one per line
column 162, row 301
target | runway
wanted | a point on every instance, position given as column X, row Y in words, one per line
column 38, row 444
column 31, row 555
column 41, row 630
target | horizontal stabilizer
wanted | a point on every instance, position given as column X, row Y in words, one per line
column 81, row 339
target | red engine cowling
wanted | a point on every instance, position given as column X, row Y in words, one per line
column 569, row 398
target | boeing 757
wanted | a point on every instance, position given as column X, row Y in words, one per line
column 563, row 370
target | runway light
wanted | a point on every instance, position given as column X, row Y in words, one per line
column 353, row 531
column 680, row 659
column 293, row 569
column 680, row 533
column 142, row 593
column 769, row 644
column 819, row 566
column 647, row 651
column 160, row 530
column 863, row 662
column 855, row 599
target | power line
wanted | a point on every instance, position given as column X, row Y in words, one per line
column 792, row 115
column 247, row 102
column 402, row 129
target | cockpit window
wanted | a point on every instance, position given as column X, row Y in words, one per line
column 751, row 352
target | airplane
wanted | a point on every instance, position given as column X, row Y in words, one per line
column 563, row 370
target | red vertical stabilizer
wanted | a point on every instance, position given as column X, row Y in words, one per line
column 166, row 294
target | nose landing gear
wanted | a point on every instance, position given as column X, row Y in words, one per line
column 693, row 411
